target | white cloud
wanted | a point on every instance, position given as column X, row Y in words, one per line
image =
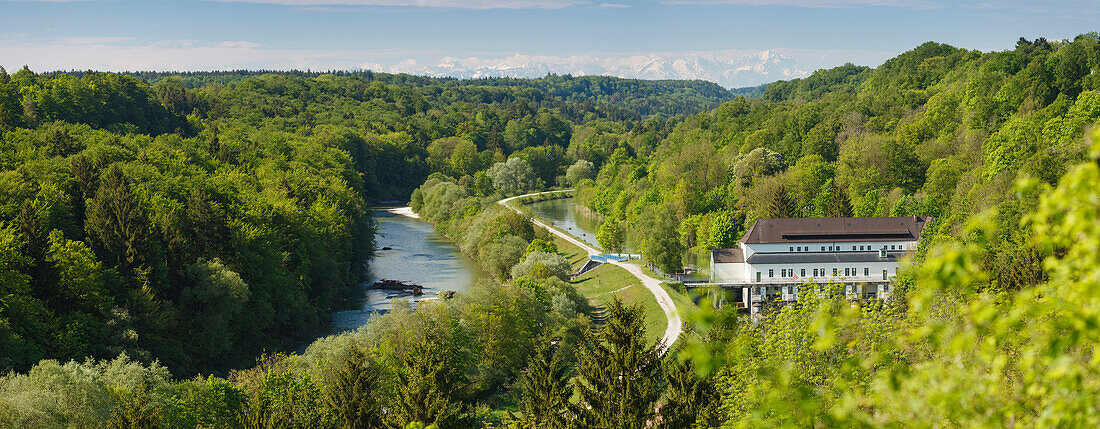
column 454, row 4
column 730, row 68
column 125, row 54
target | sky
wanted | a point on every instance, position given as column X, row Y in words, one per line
column 765, row 39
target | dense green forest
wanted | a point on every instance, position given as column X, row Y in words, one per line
column 225, row 213
column 199, row 222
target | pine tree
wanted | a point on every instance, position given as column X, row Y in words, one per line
column 424, row 391
column 688, row 397
column 116, row 220
column 545, row 391
column 619, row 373
column 351, row 390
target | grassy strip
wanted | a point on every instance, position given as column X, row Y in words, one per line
column 573, row 253
column 607, row 281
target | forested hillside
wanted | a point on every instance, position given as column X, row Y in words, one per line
column 206, row 217
column 937, row 131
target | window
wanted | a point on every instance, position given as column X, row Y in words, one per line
column 830, row 248
column 860, row 247
column 853, row 247
column 758, row 277
column 884, row 274
column 866, row 272
column 792, row 248
column 835, row 271
column 802, row 272
column 891, row 247
column 771, row 273
column 822, row 248
column 783, row 273
column 846, row 272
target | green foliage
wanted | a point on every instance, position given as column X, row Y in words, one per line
column 660, row 240
column 514, row 176
column 539, row 245
column 619, row 376
column 610, row 236
column 953, row 351
column 724, row 231
column 351, row 390
column 546, row 391
column 581, row 170
column 541, row 265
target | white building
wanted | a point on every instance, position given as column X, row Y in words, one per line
column 777, row 255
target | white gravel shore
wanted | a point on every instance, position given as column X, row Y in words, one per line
column 404, row 211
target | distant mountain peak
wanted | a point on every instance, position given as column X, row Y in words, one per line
column 730, row 69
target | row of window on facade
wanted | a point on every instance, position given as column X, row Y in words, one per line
column 837, row 248
column 848, row 272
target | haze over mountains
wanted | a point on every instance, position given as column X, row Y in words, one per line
column 731, row 69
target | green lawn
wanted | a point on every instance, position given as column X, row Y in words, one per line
column 605, row 282
column 572, row 252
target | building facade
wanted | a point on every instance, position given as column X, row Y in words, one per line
column 777, row 255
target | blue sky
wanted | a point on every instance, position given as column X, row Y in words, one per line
column 381, row 34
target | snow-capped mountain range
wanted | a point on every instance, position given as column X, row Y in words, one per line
column 731, row 69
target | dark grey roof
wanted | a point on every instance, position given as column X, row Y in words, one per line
column 727, row 256
column 821, row 257
column 801, row 230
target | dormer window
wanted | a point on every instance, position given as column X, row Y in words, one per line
column 882, row 253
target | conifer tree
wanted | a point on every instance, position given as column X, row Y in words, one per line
column 351, row 389
column 689, row 398
column 425, row 386
column 619, row 373
column 545, row 391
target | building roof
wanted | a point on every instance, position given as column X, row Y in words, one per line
column 822, row 257
column 727, row 256
column 801, row 230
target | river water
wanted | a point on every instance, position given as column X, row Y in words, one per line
column 418, row 254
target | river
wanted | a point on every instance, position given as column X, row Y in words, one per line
column 417, row 254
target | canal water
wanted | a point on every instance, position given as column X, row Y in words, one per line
column 567, row 215
column 417, row 254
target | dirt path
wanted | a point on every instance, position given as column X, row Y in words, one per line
column 672, row 331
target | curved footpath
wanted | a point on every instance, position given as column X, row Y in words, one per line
column 672, row 331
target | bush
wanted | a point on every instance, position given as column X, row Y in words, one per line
column 540, row 265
